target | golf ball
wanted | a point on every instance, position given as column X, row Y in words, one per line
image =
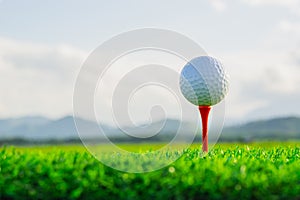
column 203, row 81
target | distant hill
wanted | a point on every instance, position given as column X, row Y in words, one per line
column 41, row 129
column 278, row 128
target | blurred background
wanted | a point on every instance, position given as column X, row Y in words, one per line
column 44, row 43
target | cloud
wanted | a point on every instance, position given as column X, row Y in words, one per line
column 292, row 5
column 39, row 78
column 36, row 78
column 289, row 27
column 218, row 5
column 262, row 79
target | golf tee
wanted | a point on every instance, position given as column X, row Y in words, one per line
column 204, row 112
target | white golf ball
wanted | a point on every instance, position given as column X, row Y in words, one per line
column 203, row 81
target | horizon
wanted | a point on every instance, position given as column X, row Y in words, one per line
column 158, row 120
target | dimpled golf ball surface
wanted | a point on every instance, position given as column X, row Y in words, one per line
column 203, row 81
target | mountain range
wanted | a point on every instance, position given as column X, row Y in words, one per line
column 41, row 128
column 283, row 128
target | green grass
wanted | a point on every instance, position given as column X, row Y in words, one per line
column 229, row 171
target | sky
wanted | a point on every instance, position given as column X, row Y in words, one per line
column 43, row 44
